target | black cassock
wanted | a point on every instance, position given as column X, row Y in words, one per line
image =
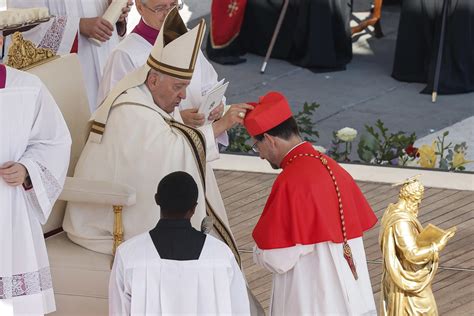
column 418, row 39
column 176, row 239
column 315, row 33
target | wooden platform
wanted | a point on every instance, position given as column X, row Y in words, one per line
column 245, row 194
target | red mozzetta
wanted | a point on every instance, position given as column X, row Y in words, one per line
column 303, row 206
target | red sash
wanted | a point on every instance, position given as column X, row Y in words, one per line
column 3, row 76
column 75, row 45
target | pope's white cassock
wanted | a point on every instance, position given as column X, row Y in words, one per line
column 33, row 133
column 138, row 148
column 60, row 33
column 142, row 283
column 134, row 142
column 132, row 53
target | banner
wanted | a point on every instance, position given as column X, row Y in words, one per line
column 226, row 20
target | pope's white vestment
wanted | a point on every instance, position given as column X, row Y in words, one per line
column 138, row 148
column 133, row 52
column 141, row 283
column 316, row 280
column 33, row 133
column 59, row 34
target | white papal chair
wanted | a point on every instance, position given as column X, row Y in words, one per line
column 80, row 276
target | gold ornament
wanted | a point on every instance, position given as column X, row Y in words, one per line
column 23, row 54
column 410, row 255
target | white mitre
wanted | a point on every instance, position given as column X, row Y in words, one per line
column 16, row 18
column 174, row 54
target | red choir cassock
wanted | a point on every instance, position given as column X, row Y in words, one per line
column 314, row 199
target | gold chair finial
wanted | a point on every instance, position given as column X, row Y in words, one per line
column 23, row 54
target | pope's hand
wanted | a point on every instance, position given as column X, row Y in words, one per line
column 13, row 173
column 236, row 114
column 97, row 28
column 217, row 112
column 192, row 118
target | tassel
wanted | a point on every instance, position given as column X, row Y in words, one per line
column 350, row 261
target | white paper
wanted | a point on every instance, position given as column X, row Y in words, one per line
column 212, row 98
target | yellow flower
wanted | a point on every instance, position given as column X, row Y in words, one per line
column 459, row 159
column 427, row 155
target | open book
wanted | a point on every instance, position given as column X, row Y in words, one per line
column 432, row 234
column 212, row 98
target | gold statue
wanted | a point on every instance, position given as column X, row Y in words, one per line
column 410, row 255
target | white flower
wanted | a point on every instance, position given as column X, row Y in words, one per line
column 346, row 134
column 321, row 149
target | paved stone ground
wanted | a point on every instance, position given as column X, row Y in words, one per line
column 360, row 95
column 459, row 132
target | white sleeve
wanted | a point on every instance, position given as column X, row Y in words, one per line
column 119, row 64
column 47, row 155
column 238, row 291
column 119, row 299
column 223, row 139
column 280, row 260
column 209, row 79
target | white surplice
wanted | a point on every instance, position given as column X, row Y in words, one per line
column 33, row 133
column 141, row 283
column 60, row 32
column 316, row 280
column 138, row 148
column 133, row 53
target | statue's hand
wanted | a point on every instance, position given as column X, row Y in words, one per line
column 444, row 240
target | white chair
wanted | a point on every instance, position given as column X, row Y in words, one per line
column 80, row 276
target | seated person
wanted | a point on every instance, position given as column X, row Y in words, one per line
column 137, row 137
column 417, row 45
column 175, row 269
column 133, row 52
column 315, row 33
